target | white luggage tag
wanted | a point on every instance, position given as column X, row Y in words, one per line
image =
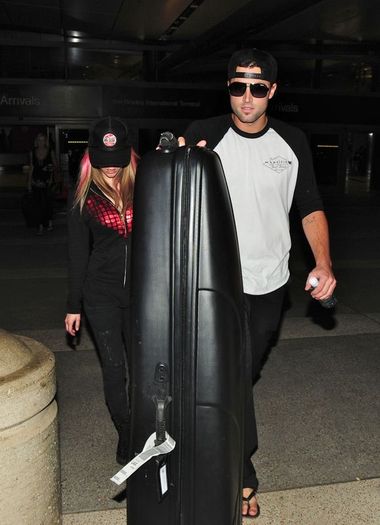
column 149, row 451
column 160, row 443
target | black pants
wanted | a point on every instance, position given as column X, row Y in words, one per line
column 43, row 199
column 263, row 314
column 109, row 324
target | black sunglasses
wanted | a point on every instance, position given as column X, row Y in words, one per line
column 238, row 89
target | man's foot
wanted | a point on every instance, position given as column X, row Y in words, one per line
column 250, row 508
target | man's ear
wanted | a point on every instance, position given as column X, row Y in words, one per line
column 272, row 90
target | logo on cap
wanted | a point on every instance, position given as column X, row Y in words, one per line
column 109, row 140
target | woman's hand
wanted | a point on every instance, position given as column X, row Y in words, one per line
column 72, row 323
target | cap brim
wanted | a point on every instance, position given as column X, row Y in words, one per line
column 104, row 159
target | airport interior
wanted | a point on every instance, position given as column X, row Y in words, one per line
column 159, row 65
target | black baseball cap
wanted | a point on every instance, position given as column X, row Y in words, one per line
column 253, row 58
column 108, row 143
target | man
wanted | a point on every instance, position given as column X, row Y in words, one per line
column 267, row 163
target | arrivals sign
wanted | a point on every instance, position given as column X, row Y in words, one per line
column 51, row 101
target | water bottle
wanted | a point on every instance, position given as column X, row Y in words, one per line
column 330, row 302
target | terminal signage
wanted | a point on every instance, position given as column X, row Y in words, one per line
column 160, row 101
column 60, row 101
column 133, row 101
column 150, row 101
column 326, row 108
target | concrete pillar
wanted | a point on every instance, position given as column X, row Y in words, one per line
column 29, row 461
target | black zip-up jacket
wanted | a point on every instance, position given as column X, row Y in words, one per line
column 98, row 240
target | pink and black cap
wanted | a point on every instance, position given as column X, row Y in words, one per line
column 253, row 58
column 109, row 144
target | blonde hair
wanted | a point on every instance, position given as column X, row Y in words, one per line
column 123, row 198
column 41, row 135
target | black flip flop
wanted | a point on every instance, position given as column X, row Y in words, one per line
column 247, row 499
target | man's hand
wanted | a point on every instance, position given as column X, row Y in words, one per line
column 316, row 230
column 182, row 142
column 72, row 323
column 326, row 282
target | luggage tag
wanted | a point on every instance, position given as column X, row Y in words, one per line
column 150, row 450
column 162, row 477
column 160, row 443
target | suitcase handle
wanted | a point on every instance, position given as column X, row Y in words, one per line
column 168, row 142
column 161, row 400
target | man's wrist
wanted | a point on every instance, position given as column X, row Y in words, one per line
column 323, row 263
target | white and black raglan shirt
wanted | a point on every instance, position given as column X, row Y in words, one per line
column 264, row 171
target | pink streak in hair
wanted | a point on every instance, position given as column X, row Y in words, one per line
column 134, row 159
column 85, row 171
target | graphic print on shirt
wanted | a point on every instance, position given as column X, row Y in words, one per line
column 107, row 215
column 278, row 164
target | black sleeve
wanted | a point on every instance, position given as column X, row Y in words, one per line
column 306, row 195
column 212, row 130
column 78, row 255
column 193, row 134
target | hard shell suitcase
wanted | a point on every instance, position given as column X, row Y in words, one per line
column 186, row 362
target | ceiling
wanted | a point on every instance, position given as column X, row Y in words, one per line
column 184, row 41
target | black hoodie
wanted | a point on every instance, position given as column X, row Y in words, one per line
column 98, row 240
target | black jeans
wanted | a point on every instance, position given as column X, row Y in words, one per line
column 43, row 199
column 109, row 324
column 263, row 315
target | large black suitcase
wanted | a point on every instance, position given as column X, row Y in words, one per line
column 187, row 342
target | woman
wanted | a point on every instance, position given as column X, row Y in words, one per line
column 100, row 224
column 41, row 176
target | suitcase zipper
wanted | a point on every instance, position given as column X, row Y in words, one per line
column 185, row 297
column 125, row 265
